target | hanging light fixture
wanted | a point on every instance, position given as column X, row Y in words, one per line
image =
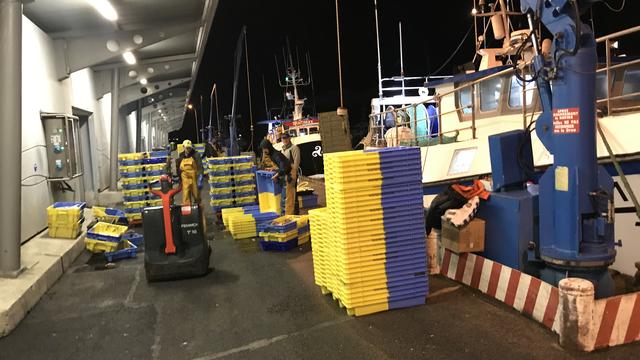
column 105, row 9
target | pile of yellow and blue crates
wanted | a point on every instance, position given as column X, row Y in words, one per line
column 285, row 233
column 114, row 241
column 65, row 219
column 137, row 171
column 246, row 222
column 232, row 182
column 369, row 247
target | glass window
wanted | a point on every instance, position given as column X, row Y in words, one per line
column 601, row 85
column 631, row 84
column 490, row 94
column 302, row 132
column 293, row 133
column 313, row 130
column 464, row 98
column 515, row 92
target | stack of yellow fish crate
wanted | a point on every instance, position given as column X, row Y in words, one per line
column 369, row 247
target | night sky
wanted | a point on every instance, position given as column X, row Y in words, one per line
column 431, row 29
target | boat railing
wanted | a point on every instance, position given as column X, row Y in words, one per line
column 529, row 109
column 376, row 120
column 608, row 41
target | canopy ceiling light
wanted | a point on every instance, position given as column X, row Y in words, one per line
column 143, row 81
column 129, row 58
column 105, row 9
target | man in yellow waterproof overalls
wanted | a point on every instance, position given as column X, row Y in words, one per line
column 189, row 166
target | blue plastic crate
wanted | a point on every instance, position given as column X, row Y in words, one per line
column 221, row 196
column 159, row 154
column 278, row 246
column 134, row 198
column 265, row 184
column 244, row 194
column 134, row 238
column 154, row 173
column 242, row 160
column 128, row 253
column 130, row 175
column 243, row 171
column 81, row 205
column 221, row 173
column 134, row 210
column 284, row 228
column 220, row 161
column 243, row 183
column 129, row 162
column 221, row 185
column 305, row 229
column 151, row 161
column 102, row 237
column 134, row 186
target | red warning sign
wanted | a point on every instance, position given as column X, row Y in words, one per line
column 566, row 121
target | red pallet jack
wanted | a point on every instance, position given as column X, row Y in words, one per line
column 176, row 246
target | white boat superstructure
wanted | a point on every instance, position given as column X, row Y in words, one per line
column 471, row 107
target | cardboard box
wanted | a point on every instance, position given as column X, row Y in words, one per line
column 469, row 238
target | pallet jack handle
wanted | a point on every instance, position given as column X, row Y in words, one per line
column 166, row 193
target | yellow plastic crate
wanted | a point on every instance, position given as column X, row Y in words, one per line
column 270, row 202
column 97, row 246
column 220, row 179
column 135, row 192
column 245, row 188
column 246, row 200
column 154, row 202
column 243, row 177
column 133, row 181
column 131, row 156
column 109, row 230
column 154, row 167
column 63, row 215
column 131, row 169
column 134, row 217
column 229, row 212
column 220, row 191
column 135, row 204
column 242, row 166
column 222, row 202
column 65, row 231
column 221, row 167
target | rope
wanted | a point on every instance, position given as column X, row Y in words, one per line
column 616, row 164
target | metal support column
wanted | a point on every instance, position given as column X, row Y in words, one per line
column 10, row 135
column 115, row 131
column 139, row 127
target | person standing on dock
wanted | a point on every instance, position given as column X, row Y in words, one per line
column 189, row 166
column 292, row 152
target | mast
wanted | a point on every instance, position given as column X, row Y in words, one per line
column 375, row 4
column 401, row 59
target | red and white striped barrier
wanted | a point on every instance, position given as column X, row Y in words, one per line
column 617, row 320
column 571, row 311
column 524, row 293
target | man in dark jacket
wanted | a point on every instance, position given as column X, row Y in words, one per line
column 283, row 170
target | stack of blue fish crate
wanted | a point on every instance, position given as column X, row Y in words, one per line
column 232, row 182
column 137, row 171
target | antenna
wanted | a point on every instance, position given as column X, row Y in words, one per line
column 313, row 90
column 375, row 4
column 401, row 59
column 266, row 106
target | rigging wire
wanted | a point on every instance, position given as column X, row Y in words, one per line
column 454, row 53
column 606, row 3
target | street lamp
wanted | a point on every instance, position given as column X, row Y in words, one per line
column 195, row 112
